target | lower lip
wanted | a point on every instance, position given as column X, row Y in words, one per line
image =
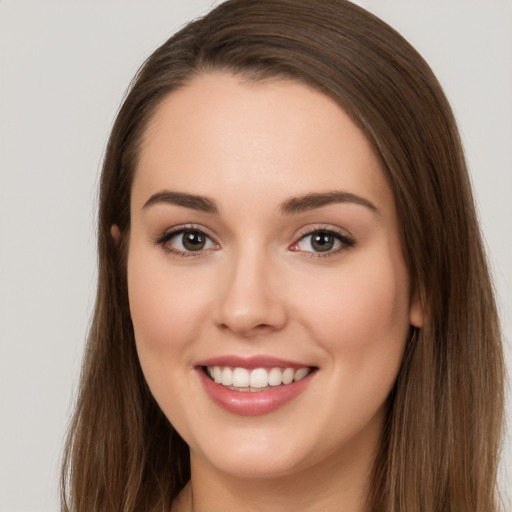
column 247, row 403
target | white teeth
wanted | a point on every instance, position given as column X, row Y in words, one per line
column 300, row 374
column 240, row 378
column 217, row 374
column 275, row 377
column 288, row 376
column 256, row 379
column 227, row 376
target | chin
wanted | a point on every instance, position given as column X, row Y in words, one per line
column 255, row 463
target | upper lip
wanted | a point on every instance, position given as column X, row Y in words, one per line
column 252, row 362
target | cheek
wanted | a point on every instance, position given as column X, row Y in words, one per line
column 166, row 308
column 362, row 324
column 167, row 313
column 363, row 309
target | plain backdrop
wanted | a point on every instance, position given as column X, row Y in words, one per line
column 64, row 67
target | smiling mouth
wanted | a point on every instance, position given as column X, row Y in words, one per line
column 257, row 379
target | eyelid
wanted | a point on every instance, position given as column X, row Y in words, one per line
column 343, row 236
column 346, row 239
column 176, row 230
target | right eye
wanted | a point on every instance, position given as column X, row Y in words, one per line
column 185, row 241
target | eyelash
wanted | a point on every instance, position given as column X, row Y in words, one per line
column 169, row 235
column 345, row 242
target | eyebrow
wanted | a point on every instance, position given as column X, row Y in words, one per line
column 312, row 201
column 200, row 203
column 289, row 207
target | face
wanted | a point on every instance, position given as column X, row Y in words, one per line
column 268, row 292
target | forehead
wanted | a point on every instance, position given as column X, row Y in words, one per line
column 222, row 135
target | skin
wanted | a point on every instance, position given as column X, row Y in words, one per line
column 259, row 288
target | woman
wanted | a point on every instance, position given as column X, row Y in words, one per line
column 293, row 308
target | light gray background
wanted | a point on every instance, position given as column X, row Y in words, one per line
column 63, row 69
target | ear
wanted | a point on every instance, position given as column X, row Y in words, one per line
column 416, row 311
column 115, row 233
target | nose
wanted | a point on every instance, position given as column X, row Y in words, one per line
column 251, row 300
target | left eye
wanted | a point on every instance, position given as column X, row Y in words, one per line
column 323, row 241
column 189, row 240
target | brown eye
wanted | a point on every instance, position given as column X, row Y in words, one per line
column 193, row 240
column 323, row 241
column 186, row 241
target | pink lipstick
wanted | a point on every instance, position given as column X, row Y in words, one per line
column 255, row 385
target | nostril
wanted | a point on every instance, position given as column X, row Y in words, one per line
column 251, row 331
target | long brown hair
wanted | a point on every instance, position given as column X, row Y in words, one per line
column 441, row 438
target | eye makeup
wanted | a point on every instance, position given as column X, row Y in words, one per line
column 192, row 241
